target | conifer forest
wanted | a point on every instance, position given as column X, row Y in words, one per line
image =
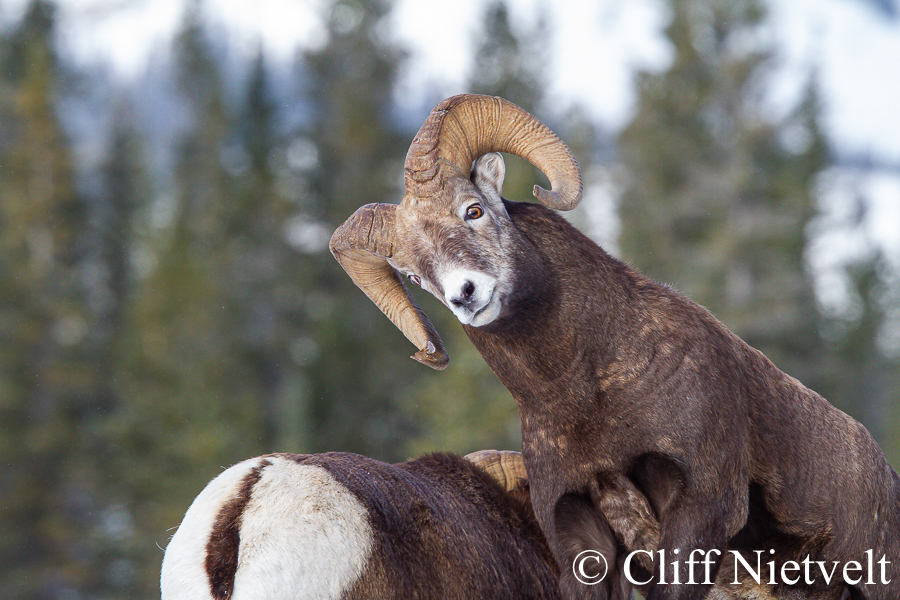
column 169, row 306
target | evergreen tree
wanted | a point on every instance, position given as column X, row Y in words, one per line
column 719, row 195
column 721, row 200
column 265, row 320
column 863, row 363
column 507, row 65
column 354, row 362
column 863, row 378
column 189, row 401
column 120, row 553
column 46, row 381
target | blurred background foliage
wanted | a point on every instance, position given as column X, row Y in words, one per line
column 175, row 309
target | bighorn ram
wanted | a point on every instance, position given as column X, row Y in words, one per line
column 295, row 527
column 638, row 407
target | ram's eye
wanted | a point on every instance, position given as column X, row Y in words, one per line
column 415, row 279
column 474, row 212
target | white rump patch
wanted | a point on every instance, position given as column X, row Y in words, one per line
column 303, row 535
column 184, row 565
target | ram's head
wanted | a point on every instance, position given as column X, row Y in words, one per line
column 451, row 233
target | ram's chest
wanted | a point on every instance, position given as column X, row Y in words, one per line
column 565, row 425
column 545, row 437
column 565, row 449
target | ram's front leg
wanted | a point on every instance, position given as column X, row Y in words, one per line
column 589, row 555
column 629, row 514
column 692, row 544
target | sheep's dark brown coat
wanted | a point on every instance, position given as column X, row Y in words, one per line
column 646, row 423
column 347, row 527
column 634, row 400
column 444, row 529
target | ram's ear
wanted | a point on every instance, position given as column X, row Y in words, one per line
column 488, row 173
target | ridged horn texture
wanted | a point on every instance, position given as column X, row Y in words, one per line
column 458, row 130
column 506, row 466
column 464, row 127
column 362, row 246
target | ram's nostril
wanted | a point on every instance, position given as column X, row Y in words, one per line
column 468, row 289
column 465, row 295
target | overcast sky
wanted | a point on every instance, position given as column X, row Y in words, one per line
column 595, row 47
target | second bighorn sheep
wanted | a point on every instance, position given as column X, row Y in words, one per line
column 638, row 407
column 346, row 527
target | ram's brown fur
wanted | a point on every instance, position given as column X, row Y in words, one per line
column 619, row 379
column 639, row 409
column 444, row 529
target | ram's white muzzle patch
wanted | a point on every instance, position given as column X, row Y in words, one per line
column 472, row 296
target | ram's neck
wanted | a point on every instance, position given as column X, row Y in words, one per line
column 561, row 333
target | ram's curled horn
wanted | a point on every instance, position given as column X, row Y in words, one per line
column 506, row 466
column 464, row 127
column 459, row 130
column 362, row 246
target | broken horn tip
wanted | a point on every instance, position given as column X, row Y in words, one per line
column 435, row 360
